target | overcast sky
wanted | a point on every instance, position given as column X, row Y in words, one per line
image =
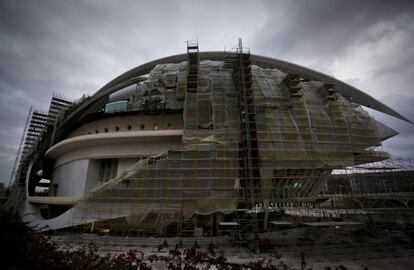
column 75, row 47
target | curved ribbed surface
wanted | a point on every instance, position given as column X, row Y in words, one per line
column 347, row 90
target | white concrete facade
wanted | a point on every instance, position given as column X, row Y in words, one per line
column 71, row 177
column 130, row 123
column 78, row 159
column 113, row 145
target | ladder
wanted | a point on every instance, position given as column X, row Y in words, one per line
column 240, row 65
column 242, row 76
column 193, row 63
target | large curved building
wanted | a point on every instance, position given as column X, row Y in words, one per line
column 193, row 139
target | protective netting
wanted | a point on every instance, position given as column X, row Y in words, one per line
column 301, row 137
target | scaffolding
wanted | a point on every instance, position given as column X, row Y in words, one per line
column 38, row 123
column 379, row 184
column 255, row 140
column 35, row 125
column 19, row 151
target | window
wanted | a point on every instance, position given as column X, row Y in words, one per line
column 108, row 169
column 142, row 126
column 129, row 127
column 155, row 126
column 106, row 129
column 117, row 128
column 96, row 131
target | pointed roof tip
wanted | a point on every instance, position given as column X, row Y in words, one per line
column 381, row 107
column 391, row 112
column 408, row 120
column 385, row 132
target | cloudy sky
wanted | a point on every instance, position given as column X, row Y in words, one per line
column 75, row 47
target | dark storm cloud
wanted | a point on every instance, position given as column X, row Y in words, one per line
column 75, row 47
column 322, row 34
column 36, row 59
column 325, row 27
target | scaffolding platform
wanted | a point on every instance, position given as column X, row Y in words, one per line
column 332, row 223
column 231, row 223
column 281, row 223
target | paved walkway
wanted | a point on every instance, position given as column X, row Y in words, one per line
column 319, row 252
